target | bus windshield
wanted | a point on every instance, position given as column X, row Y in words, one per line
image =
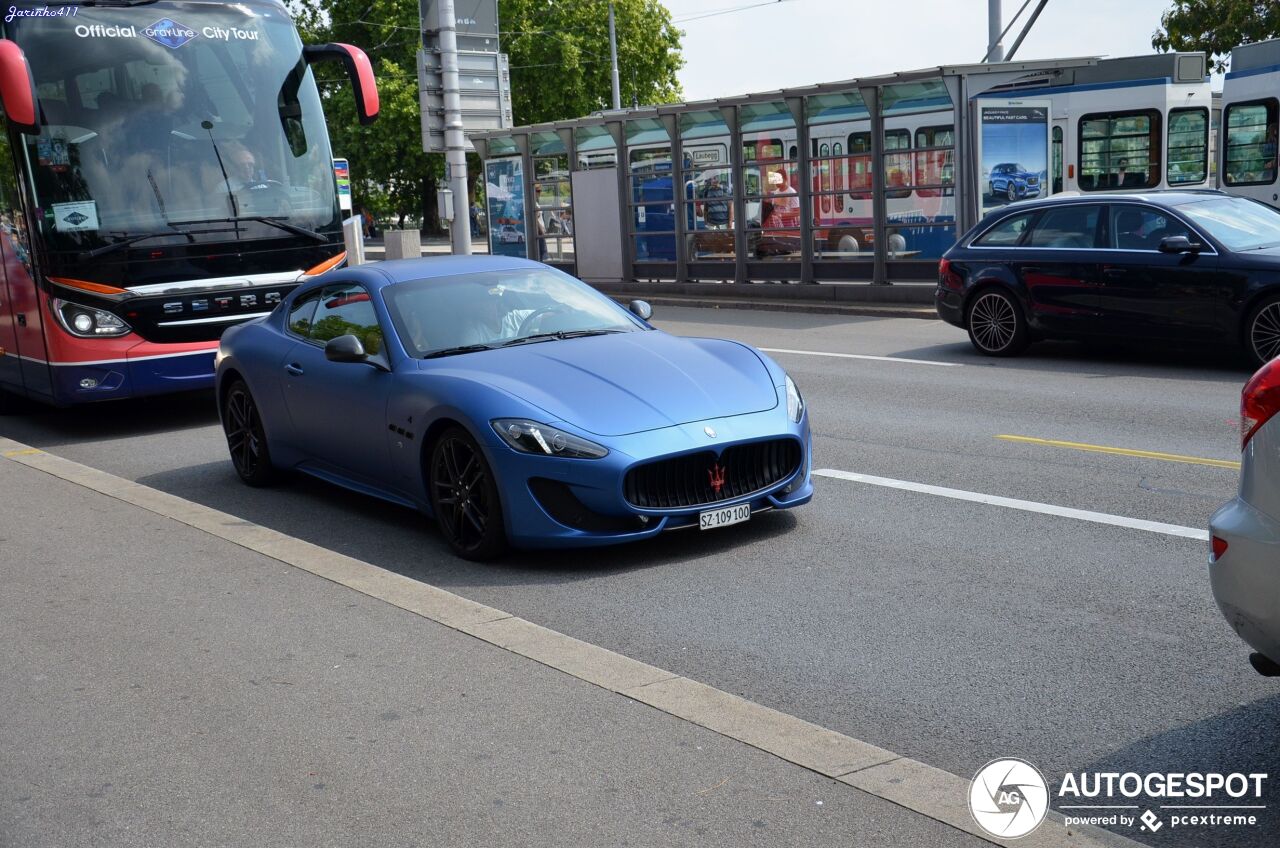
column 179, row 121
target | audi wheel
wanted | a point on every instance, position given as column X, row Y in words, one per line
column 995, row 324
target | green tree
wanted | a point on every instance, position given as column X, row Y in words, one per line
column 559, row 56
column 390, row 173
column 1216, row 26
column 559, row 53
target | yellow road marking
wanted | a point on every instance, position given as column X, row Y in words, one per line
column 1167, row 457
column 26, row 452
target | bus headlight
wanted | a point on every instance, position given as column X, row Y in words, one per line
column 87, row 322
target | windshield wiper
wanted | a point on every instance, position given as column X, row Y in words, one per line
column 261, row 219
column 125, row 242
column 557, row 335
column 450, row 351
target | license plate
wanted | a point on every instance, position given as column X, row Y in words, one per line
column 714, row 518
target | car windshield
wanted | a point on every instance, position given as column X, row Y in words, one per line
column 1239, row 223
column 160, row 118
column 496, row 308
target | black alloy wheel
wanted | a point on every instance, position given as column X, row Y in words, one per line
column 464, row 497
column 1262, row 332
column 246, row 438
column 996, row 326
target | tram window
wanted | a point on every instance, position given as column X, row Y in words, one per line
column 1188, row 146
column 1250, row 155
column 1120, row 150
column 934, row 167
column 897, row 170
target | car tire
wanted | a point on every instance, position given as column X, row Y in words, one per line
column 991, row 189
column 464, row 497
column 1262, row 332
column 1011, row 191
column 246, row 437
column 995, row 323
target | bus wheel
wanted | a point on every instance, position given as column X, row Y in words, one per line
column 246, row 438
column 848, row 244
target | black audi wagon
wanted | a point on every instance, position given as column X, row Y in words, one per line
column 1191, row 266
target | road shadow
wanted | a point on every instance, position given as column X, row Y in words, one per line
column 46, row 426
column 1171, row 361
column 1245, row 740
column 406, row 542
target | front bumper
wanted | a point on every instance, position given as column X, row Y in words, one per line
column 144, row 369
column 598, row 484
column 1246, row 578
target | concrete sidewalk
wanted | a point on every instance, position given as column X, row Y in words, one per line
column 164, row 686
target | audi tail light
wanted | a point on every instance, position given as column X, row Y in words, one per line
column 948, row 278
column 1260, row 400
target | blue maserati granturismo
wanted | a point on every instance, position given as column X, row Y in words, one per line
column 512, row 402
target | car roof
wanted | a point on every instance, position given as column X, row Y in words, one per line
column 392, row 271
column 1161, row 197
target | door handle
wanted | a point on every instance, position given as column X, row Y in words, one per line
column 293, row 369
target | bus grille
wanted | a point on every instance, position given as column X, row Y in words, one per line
column 703, row 478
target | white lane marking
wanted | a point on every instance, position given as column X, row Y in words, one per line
column 862, row 356
column 1025, row 506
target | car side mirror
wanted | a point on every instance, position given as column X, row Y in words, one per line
column 346, row 348
column 1179, row 244
column 641, row 309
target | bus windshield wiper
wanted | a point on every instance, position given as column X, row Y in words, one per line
column 261, row 219
column 450, row 351
column 125, row 242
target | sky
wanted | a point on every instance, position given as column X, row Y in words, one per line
column 801, row 42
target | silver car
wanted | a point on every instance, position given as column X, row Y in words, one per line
column 1244, row 535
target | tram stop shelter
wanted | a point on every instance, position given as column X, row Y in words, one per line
column 862, row 180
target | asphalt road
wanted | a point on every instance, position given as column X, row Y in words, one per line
column 948, row 631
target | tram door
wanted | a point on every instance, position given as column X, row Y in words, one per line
column 1056, row 156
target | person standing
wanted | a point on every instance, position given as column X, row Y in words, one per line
column 717, row 210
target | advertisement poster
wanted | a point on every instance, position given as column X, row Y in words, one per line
column 342, row 173
column 1013, row 148
column 504, row 188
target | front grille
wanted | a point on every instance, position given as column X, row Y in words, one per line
column 684, row 481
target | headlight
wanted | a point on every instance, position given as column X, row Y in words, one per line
column 87, row 322
column 795, row 403
column 532, row 437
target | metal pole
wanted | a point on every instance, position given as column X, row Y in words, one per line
column 455, row 142
column 1026, row 29
column 995, row 44
column 613, row 60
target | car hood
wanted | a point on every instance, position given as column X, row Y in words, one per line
column 626, row 383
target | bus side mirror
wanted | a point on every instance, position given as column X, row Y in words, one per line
column 358, row 69
column 17, row 89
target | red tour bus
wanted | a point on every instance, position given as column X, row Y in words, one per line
column 165, row 172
